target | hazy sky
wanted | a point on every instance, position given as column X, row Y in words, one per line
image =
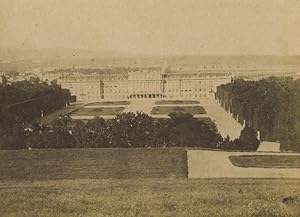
column 154, row 27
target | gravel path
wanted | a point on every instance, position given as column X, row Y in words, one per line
column 216, row 164
column 141, row 105
column 226, row 124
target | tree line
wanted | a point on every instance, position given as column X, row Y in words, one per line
column 270, row 106
column 22, row 102
column 130, row 130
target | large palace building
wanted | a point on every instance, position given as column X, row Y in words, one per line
column 145, row 83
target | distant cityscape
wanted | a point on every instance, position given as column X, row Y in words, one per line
column 95, row 78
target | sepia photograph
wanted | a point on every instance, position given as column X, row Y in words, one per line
column 149, row 108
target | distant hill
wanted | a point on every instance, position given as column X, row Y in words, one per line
column 66, row 53
column 55, row 53
column 234, row 61
column 19, row 59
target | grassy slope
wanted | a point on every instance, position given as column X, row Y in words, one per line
column 92, row 164
column 149, row 197
column 67, row 183
column 266, row 161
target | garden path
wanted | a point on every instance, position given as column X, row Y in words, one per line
column 216, row 164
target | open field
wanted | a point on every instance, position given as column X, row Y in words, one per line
column 266, row 161
column 98, row 111
column 92, row 164
column 168, row 102
column 105, row 103
column 165, row 110
column 151, row 197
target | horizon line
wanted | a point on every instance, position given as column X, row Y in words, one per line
column 132, row 54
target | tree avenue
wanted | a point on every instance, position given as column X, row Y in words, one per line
column 270, row 106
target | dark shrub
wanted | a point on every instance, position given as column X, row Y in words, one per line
column 246, row 142
column 185, row 130
column 248, row 139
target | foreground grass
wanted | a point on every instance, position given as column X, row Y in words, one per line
column 266, row 161
column 45, row 164
column 150, row 197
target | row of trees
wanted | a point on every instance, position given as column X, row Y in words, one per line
column 269, row 105
column 23, row 101
column 129, row 130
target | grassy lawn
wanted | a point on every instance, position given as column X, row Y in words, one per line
column 109, row 103
column 168, row 102
column 92, row 164
column 165, row 110
column 98, row 111
column 266, row 161
column 150, row 197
